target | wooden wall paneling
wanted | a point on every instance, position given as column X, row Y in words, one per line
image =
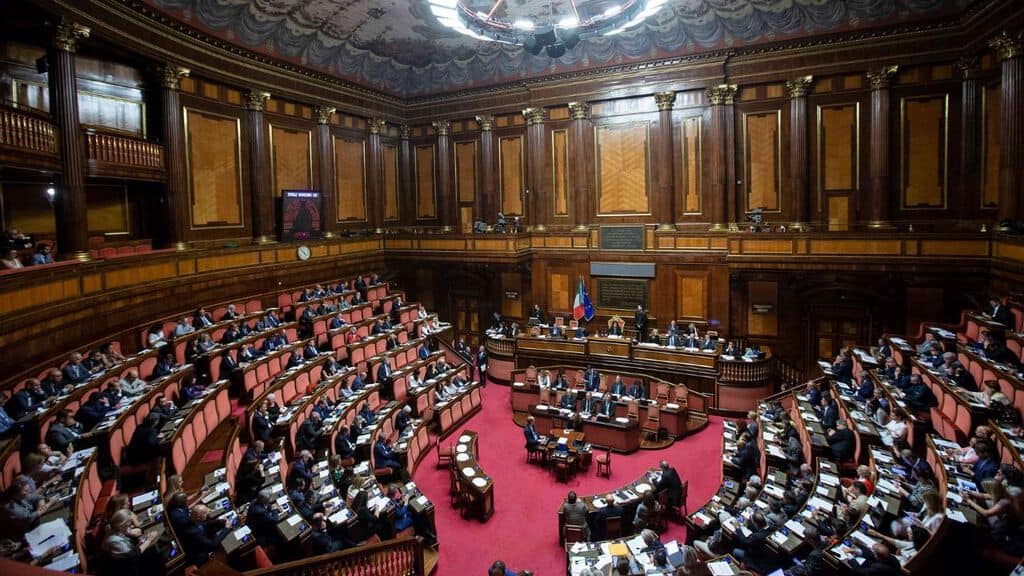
column 426, row 185
column 560, row 183
column 25, row 207
column 350, row 178
column 690, row 165
column 623, row 159
column 512, row 282
column 837, row 153
column 392, row 205
column 924, row 151
column 291, row 158
column 511, row 174
column 762, row 160
column 691, row 295
column 465, row 171
column 560, row 292
column 990, row 101
column 213, row 145
column 108, row 209
column 762, row 308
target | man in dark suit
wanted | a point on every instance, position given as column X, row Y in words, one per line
column 63, row 431
column 866, row 388
column 753, row 550
column 882, row 562
column 842, row 442
column 360, row 286
column 227, row 364
column 384, row 375
column 557, row 331
column 640, row 320
column 481, row 365
column 589, row 404
column 342, row 445
column 636, row 390
column 403, row 418
column 607, row 408
column 423, row 352
column 618, row 387
column 53, row 384
column 164, row 367
column 674, row 341
column 1000, row 313
column 321, row 539
column 310, row 351
column 200, row 536
column 670, row 484
column 202, row 319
column 302, row 468
column 530, row 432
column 261, row 425
column 842, row 367
column 337, row 322
column 828, row 412
column 384, row 456
column 92, row 411
column 581, row 331
column 262, row 520
column 21, row 403
column 591, row 379
column 568, row 401
column 75, row 372
column 359, row 382
column 310, row 432
column 294, row 360
column 165, row 409
column 177, row 511
column 144, row 446
column 918, row 396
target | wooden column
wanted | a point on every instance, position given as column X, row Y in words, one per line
column 406, row 178
column 1011, row 121
column 70, row 203
column 374, row 176
column 721, row 99
column 970, row 145
column 445, row 192
column 259, row 167
column 798, row 160
column 483, row 206
column 580, row 114
column 325, row 159
column 664, row 180
column 536, row 199
column 879, row 147
column 172, row 131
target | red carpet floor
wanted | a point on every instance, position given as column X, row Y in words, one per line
column 524, row 528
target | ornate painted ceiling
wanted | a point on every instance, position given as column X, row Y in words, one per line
column 397, row 46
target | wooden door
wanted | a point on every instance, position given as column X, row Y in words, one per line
column 835, row 328
column 467, row 318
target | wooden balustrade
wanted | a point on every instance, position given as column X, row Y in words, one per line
column 121, row 155
column 27, row 131
column 743, row 372
column 787, row 375
column 403, row 557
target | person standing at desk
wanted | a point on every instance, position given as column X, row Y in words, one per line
column 537, row 314
column 591, row 379
column 640, row 319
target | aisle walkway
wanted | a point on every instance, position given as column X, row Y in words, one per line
column 524, row 528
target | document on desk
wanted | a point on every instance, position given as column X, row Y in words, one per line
column 720, row 569
column 46, row 536
column 956, row 515
column 65, row 562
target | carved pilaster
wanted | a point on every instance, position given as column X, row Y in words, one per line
column 377, row 125
column 404, row 132
column 665, row 100
column 443, row 127
column 67, row 34
column 1006, row 45
column 882, row 78
column 323, row 114
column 722, row 95
column 486, row 123
column 171, row 75
column 799, row 87
column 579, row 110
column 968, row 67
column 1011, row 124
column 535, row 116
column 256, row 100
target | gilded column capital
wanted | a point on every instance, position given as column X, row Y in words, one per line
column 171, row 75
column 968, row 67
column 404, row 132
column 882, row 78
column 665, row 100
column 323, row 114
column 1006, row 45
column 377, row 125
column 67, row 34
column 535, row 116
column 486, row 122
column 723, row 94
column 443, row 127
column 799, row 87
column 579, row 110
column 256, row 100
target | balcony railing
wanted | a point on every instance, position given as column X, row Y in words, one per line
column 26, row 131
column 107, row 152
column 389, row 558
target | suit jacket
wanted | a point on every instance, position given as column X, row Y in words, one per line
column 383, row 456
column 618, row 388
column 343, row 447
column 636, row 391
column 608, row 408
column 532, row 438
column 1003, row 315
column 263, row 523
column 843, row 444
column 591, row 380
column 384, row 372
column 75, row 373
column 589, row 405
column 227, row 366
column 261, row 427
column 59, row 436
column 844, row 370
column 197, row 542
column 202, row 320
column 673, row 340
column 299, row 469
column 144, row 445
column 308, row 437
column 19, row 404
column 568, row 402
column 640, row 319
column 671, row 483
column 829, row 415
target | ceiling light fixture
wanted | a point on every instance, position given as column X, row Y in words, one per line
column 558, row 29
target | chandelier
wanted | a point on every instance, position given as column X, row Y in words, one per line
column 552, row 26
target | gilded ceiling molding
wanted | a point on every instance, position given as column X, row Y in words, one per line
column 377, row 125
column 722, row 95
column 443, row 127
column 1006, row 45
column 171, row 75
column 799, row 87
column 579, row 110
column 67, row 35
column 882, row 78
column 535, row 116
column 665, row 100
column 256, row 100
column 323, row 114
column 486, row 123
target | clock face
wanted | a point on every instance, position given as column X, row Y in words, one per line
column 303, row 253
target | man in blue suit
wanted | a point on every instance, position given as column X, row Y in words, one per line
column 423, row 352
column 636, row 390
column 618, row 387
column 568, row 401
column 383, row 456
column 532, row 438
column 607, row 408
column 75, row 372
column 591, row 379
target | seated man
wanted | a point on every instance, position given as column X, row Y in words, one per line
column 581, row 331
column 568, row 401
column 618, row 387
column 674, row 341
column 262, row 519
column 589, row 404
column 200, row 535
column 310, row 432
column 530, row 432
column 384, row 456
column 842, row 442
column 144, row 446
column 636, row 390
column 607, row 408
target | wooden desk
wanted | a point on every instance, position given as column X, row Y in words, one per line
column 614, row 434
column 471, row 477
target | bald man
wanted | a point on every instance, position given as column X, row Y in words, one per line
column 200, row 536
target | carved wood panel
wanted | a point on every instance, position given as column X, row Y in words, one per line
column 762, row 160
column 350, row 179
column 390, row 169
column 990, row 146
column 923, row 151
column 291, row 159
column 465, row 171
column 690, row 151
column 426, row 201
column 623, row 175
column 511, row 174
column 560, row 171
column 214, row 167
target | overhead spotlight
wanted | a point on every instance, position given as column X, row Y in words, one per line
column 555, row 50
column 523, row 24
column 51, row 193
column 546, row 38
column 569, row 22
column 531, row 45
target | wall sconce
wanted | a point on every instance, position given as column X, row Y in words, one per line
column 51, row 193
